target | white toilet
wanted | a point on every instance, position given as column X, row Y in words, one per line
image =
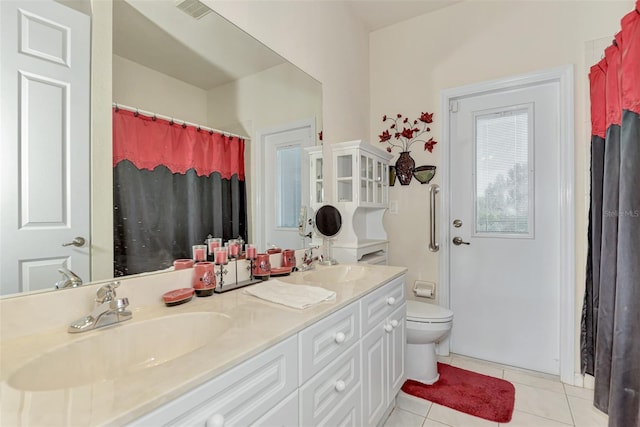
column 427, row 324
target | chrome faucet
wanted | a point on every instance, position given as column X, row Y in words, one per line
column 108, row 310
column 69, row 279
column 308, row 259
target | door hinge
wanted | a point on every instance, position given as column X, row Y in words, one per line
column 453, row 106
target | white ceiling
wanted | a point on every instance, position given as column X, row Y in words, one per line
column 376, row 14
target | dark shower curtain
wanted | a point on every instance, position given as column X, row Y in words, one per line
column 610, row 338
column 173, row 186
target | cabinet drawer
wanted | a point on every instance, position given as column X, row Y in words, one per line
column 322, row 342
column 348, row 413
column 239, row 396
column 328, row 388
column 283, row 415
column 380, row 303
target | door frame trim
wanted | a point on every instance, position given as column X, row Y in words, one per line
column 564, row 77
column 258, row 226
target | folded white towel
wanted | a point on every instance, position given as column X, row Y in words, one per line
column 295, row 296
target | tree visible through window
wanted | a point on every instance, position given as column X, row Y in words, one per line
column 502, row 172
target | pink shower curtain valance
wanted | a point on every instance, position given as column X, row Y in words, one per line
column 148, row 142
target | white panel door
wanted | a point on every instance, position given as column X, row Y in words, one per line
column 284, row 183
column 504, row 271
column 44, row 126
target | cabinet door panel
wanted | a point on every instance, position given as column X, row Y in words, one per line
column 322, row 342
column 374, row 375
column 396, row 347
column 325, row 391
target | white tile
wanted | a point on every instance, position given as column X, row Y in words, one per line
column 475, row 365
column 412, row 404
column 523, row 419
column 581, row 392
column 433, row 423
column 533, row 380
column 585, row 414
column 400, row 418
column 543, row 403
column 456, row 418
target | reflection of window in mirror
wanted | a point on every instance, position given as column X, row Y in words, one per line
column 289, row 185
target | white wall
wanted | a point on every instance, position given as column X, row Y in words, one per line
column 138, row 86
column 324, row 39
column 474, row 41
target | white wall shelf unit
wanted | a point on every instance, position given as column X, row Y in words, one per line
column 361, row 191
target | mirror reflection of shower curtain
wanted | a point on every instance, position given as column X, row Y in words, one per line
column 173, row 186
column 610, row 338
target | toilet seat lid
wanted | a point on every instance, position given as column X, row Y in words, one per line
column 427, row 313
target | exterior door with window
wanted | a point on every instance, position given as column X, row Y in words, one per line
column 504, row 257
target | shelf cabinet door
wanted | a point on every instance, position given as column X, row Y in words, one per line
column 344, row 165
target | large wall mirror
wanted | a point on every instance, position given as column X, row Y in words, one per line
column 205, row 71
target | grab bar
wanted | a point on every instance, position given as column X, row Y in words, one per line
column 433, row 190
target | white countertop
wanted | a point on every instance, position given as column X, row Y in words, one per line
column 254, row 325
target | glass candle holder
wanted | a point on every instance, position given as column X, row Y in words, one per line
column 220, row 256
column 250, row 251
column 212, row 243
column 234, row 248
column 199, row 253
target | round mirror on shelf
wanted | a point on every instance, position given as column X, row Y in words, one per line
column 328, row 225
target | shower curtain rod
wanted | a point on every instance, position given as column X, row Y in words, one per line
column 160, row 116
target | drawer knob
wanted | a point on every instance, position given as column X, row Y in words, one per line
column 394, row 323
column 340, row 337
column 388, row 327
column 391, row 300
column 216, row 420
column 340, row 385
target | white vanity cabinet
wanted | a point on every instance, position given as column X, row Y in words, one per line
column 383, row 349
column 239, row 396
column 344, row 369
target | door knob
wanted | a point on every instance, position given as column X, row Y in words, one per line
column 78, row 241
column 458, row 241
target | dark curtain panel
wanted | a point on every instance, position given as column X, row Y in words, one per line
column 610, row 336
column 159, row 215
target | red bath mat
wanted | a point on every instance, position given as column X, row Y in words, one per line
column 469, row 392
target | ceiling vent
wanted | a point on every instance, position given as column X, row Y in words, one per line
column 193, row 8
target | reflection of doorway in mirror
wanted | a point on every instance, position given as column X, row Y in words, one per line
column 282, row 182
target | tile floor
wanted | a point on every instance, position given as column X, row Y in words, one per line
column 541, row 401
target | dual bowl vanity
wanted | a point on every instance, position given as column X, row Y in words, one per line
column 230, row 359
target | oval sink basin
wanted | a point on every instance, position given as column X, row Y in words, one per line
column 106, row 354
column 336, row 273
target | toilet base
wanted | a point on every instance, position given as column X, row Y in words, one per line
column 421, row 363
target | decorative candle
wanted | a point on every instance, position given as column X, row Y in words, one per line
column 250, row 250
column 234, row 248
column 199, row 253
column 213, row 242
column 220, row 256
